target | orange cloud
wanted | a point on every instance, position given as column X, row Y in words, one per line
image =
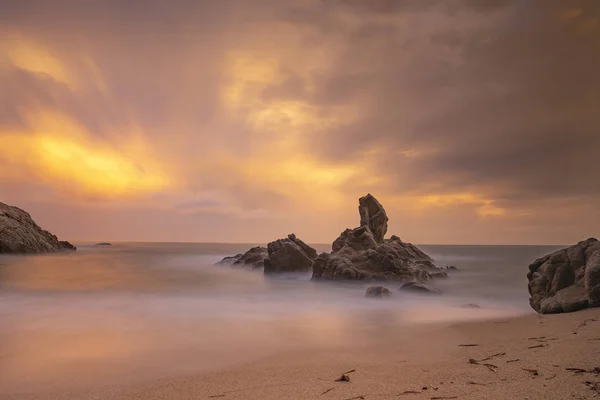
column 63, row 156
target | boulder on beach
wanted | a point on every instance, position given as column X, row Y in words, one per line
column 254, row 258
column 363, row 253
column 20, row 234
column 566, row 280
column 377, row 292
column 418, row 287
column 289, row 255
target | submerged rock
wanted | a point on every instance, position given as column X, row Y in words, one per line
column 103, row 244
column 377, row 292
column 254, row 257
column 566, row 280
column 361, row 254
column 20, row 234
column 418, row 287
column 289, row 255
column 470, row 305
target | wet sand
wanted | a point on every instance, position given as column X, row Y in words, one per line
column 517, row 358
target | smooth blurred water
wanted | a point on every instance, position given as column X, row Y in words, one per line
column 135, row 310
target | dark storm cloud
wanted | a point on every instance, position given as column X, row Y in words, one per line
column 507, row 107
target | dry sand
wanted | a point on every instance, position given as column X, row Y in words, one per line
column 523, row 358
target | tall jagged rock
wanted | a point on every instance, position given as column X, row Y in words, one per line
column 20, row 234
column 566, row 280
column 289, row 255
column 373, row 216
column 363, row 254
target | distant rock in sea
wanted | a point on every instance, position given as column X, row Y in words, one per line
column 254, row 258
column 289, row 255
column 20, row 234
column 566, row 280
column 363, row 254
column 103, row 244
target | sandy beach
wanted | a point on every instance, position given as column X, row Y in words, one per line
column 529, row 357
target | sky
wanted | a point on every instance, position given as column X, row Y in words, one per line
column 472, row 121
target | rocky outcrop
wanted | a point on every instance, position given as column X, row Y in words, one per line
column 377, row 292
column 254, row 258
column 373, row 216
column 362, row 254
column 289, row 255
column 20, row 234
column 566, row 280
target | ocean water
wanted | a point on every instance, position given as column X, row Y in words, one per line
column 135, row 311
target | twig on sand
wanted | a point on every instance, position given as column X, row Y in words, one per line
column 361, row 397
column 343, row 378
column 443, row 397
column 595, row 370
column 476, row 383
column 491, row 367
column 594, row 386
column 551, row 377
column 409, row 392
column 493, row 356
column 216, row 395
column 512, row 361
column 583, row 323
column 469, row 345
column 537, row 346
column 351, row 371
column 532, row 371
column 327, row 391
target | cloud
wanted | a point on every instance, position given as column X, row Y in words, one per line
column 449, row 111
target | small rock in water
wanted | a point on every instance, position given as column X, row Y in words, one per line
column 103, row 244
column 377, row 292
column 470, row 305
column 420, row 287
column 451, row 268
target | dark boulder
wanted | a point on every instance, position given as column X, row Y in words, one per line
column 566, row 280
column 377, row 292
column 419, row 287
column 289, row 255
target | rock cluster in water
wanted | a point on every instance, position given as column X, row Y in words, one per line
column 566, row 280
column 20, row 234
column 361, row 253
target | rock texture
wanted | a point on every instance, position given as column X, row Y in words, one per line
column 373, row 216
column 418, row 287
column 20, row 234
column 289, row 255
column 363, row 254
column 254, row 257
column 566, row 280
column 377, row 292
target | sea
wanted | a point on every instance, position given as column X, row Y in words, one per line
column 131, row 311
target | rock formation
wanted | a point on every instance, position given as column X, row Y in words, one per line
column 566, row 280
column 373, row 216
column 289, row 255
column 363, row 254
column 418, row 287
column 20, row 234
column 377, row 292
column 254, row 257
